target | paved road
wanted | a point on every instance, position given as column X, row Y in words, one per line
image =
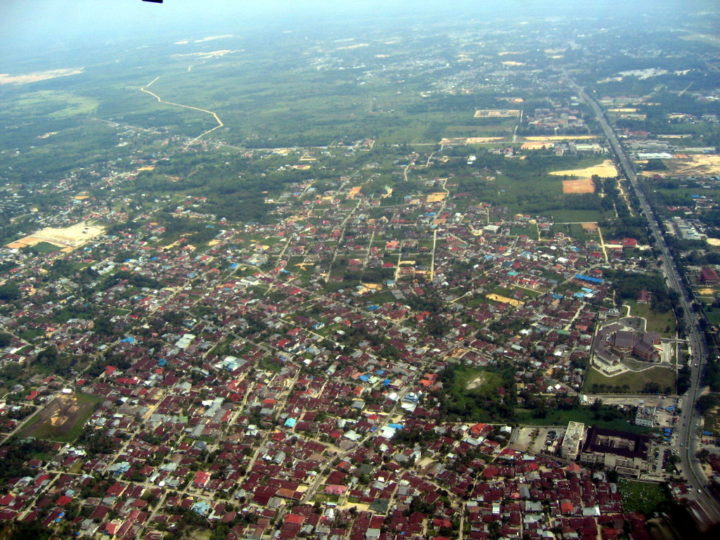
column 688, row 425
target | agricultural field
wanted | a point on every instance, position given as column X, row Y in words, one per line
column 62, row 419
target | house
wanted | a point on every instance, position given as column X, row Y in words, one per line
column 201, row 479
column 709, row 276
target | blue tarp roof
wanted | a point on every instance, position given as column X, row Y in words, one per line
column 588, row 278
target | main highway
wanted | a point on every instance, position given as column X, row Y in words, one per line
column 687, row 428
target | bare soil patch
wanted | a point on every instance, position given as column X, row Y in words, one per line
column 576, row 187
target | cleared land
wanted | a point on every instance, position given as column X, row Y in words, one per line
column 575, row 187
column 436, row 197
column 37, row 76
column 67, row 239
column 62, row 419
column 497, row 113
column 469, row 140
column 543, row 138
column 692, row 165
column 606, row 169
column 504, row 299
column 478, row 381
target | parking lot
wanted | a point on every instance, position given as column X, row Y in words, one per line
column 537, row 439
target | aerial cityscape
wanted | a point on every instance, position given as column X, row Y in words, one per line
column 383, row 270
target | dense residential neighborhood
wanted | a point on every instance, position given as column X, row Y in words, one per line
column 423, row 277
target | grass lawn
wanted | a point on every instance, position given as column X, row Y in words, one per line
column 528, row 292
column 642, row 497
column 662, row 323
column 527, row 230
column 44, row 247
column 630, row 382
column 712, row 315
column 468, row 378
column 564, row 216
column 379, row 298
column 474, row 394
column 712, row 420
column 560, row 417
column 574, row 231
column 61, row 420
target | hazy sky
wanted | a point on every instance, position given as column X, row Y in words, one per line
column 30, row 27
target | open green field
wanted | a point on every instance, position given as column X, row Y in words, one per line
column 62, row 419
column 476, row 394
column 712, row 420
column 560, row 417
column 469, row 379
column 643, row 497
column 573, row 216
column 44, row 247
column 55, row 104
column 631, row 382
column 662, row 323
column 714, row 316
column 574, row 230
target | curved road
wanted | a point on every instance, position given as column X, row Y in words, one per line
column 688, row 425
column 215, row 116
